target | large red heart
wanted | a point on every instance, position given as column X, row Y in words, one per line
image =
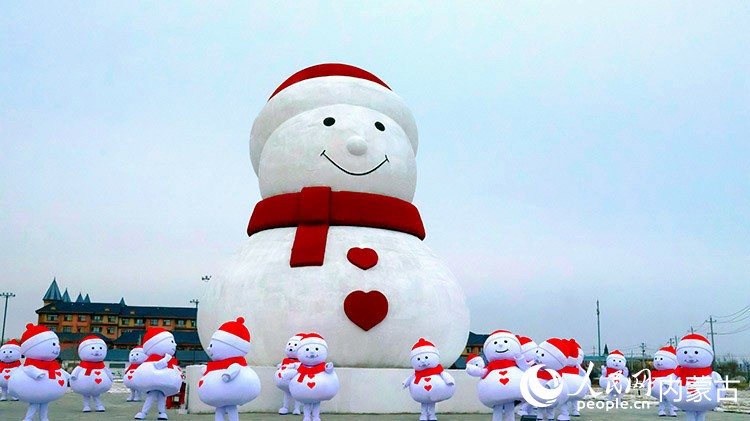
column 62, row 382
column 504, row 380
column 428, row 387
column 311, row 384
column 366, row 309
column 97, row 380
column 363, row 258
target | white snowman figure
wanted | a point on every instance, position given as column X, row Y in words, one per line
column 475, row 365
column 10, row 360
column 615, row 377
column 313, row 380
column 135, row 358
column 228, row 382
column 556, row 369
column 334, row 150
column 578, row 360
column 281, row 381
column 40, row 380
column 665, row 362
column 91, row 377
column 500, row 383
column 160, row 375
column 528, row 349
column 430, row 383
column 698, row 388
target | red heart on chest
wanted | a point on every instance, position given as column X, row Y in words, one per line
column 200, row 383
column 130, row 377
column 502, row 372
column 310, row 384
column 97, row 372
column 366, row 309
column 427, row 379
column 504, row 380
column 279, row 375
column 428, row 387
column 6, row 377
column 97, row 380
column 363, row 258
column 62, row 382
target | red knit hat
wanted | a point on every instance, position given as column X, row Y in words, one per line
column 91, row 340
column 617, row 352
column 558, row 348
column 34, row 335
column 423, row 345
column 667, row 352
column 153, row 336
column 235, row 334
column 695, row 341
column 470, row 357
column 323, row 85
column 501, row 334
column 312, row 338
column 526, row 343
column 12, row 344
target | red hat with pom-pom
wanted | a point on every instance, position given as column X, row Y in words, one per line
column 12, row 344
column 235, row 334
column 421, row 346
column 91, row 340
column 696, row 341
column 34, row 335
column 153, row 336
column 667, row 352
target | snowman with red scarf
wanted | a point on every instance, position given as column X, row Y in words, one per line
column 160, row 375
column 665, row 362
column 334, row 149
column 500, row 384
column 91, row 377
column 135, row 358
column 698, row 388
column 313, row 380
column 430, row 383
column 10, row 360
column 528, row 349
column 615, row 377
column 282, row 382
column 228, row 382
column 40, row 380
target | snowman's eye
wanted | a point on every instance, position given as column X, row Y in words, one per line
column 426, row 358
column 685, row 352
column 307, row 349
column 329, row 121
column 696, row 352
column 316, row 348
column 379, row 126
column 495, row 342
column 506, row 341
column 419, row 359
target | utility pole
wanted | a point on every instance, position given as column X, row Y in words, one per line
column 598, row 329
column 5, row 312
column 711, row 323
column 643, row 354
column 692, row 331
column 195, row 301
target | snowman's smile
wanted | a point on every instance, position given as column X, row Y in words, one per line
column 350, row 172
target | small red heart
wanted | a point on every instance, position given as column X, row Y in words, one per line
column 311, row 384
column 427, row 379
column 200, row 383
column 363, row 258
column 366, row 309
column 428, row 387
column 97, row 372
column 504, row 380
column 62, row 382
column 130, row 377
column 502, row 372
column 279, row 375
column 58, row 373
column 6, row 377
column 97, row 380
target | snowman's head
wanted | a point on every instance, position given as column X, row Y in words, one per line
column 93, row 349
column 616, row 360
column 158, row 341
column 338, row 126
column 232, row 339
column 553, row 353
column 137, row 356
column 219, row 350
column 528, row 348
column 578, row 355
column 502, row 345
column 313, row 349
column 292, row 345
column 10, row 352
column 424, row 354
column 694, row 351
column 40, row 343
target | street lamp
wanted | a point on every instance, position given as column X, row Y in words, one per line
column 5, row 312
column 195, row 301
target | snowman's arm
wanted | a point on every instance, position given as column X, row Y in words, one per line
column 109, row 374
column 289, row 373
column 65, row 375
column 447, row 378
column 231, row 373
column 408, row 381
column 34, row 372
column 720, row 384
column 581, row 371
column 329, row 368
column 278, row 366
column 625, row 372
column 162, row 363
column 476, row 371
column 75, row 373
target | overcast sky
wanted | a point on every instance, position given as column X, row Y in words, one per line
column 569, row 152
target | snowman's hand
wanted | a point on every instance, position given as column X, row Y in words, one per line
column 475, row 371
column 329, row 368
column 163, row 363
column 74, row 375
column 447, row 378
column 34, row 372
column 278, row 366
column 407, row 382
column 289, row 374
column 231, row 373
column 109, row 374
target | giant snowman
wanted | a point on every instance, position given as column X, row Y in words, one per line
column 335, row 246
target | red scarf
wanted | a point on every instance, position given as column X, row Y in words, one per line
column 90, row 365
column 420, row 374
column 49, row 366
column 14, row 364
column 286, row 361
column 611, row 371
column 498, row 365
column 544, row 374
column 224, row 364
column 156, row 357
column 310, row 372
column 661, row 373
column 133, row 367
column 686, row 372
column 569, row 370
column 314, row 209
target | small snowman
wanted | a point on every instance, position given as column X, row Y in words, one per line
column 528, row 349
column 160, row 375
column 699, row 388
column 40, row 380
column 10, row 360
column 91, row 377
column 573, row 401
column 282, row 382
column 556, row 362
column 228, row 382
column 136, row 358
column 475, row 365
column 314, row 380
column 615, row 378
column 665, row 362
column 430, row 383
column 500, row 383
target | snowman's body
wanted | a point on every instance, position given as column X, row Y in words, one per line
column 430, row 383
column 10, row 361
column 348, row 135
column 160, row 375
column 315, row 388
column 282, row 380
column 661, row 378
column 312, row 380
column 242, row 389
column 150, row 377
column 615, row 379
column 91, row 382
column 500, row 386
column 91, row 377
column 135, row 358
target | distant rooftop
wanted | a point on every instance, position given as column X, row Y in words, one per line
column 53, row 292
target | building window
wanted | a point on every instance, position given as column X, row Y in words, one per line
column 52, row 317
column 191, row 323
column 80, row 330
column 96, row 318
column 154, row 322
column 180, row 323
column 68, row 317
column 110, row 330
column 139, row 322
column 81, row 317
column 111, row 319
column 96, row 329
column 167, row 322
column 67, row 329
column 125, row 322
